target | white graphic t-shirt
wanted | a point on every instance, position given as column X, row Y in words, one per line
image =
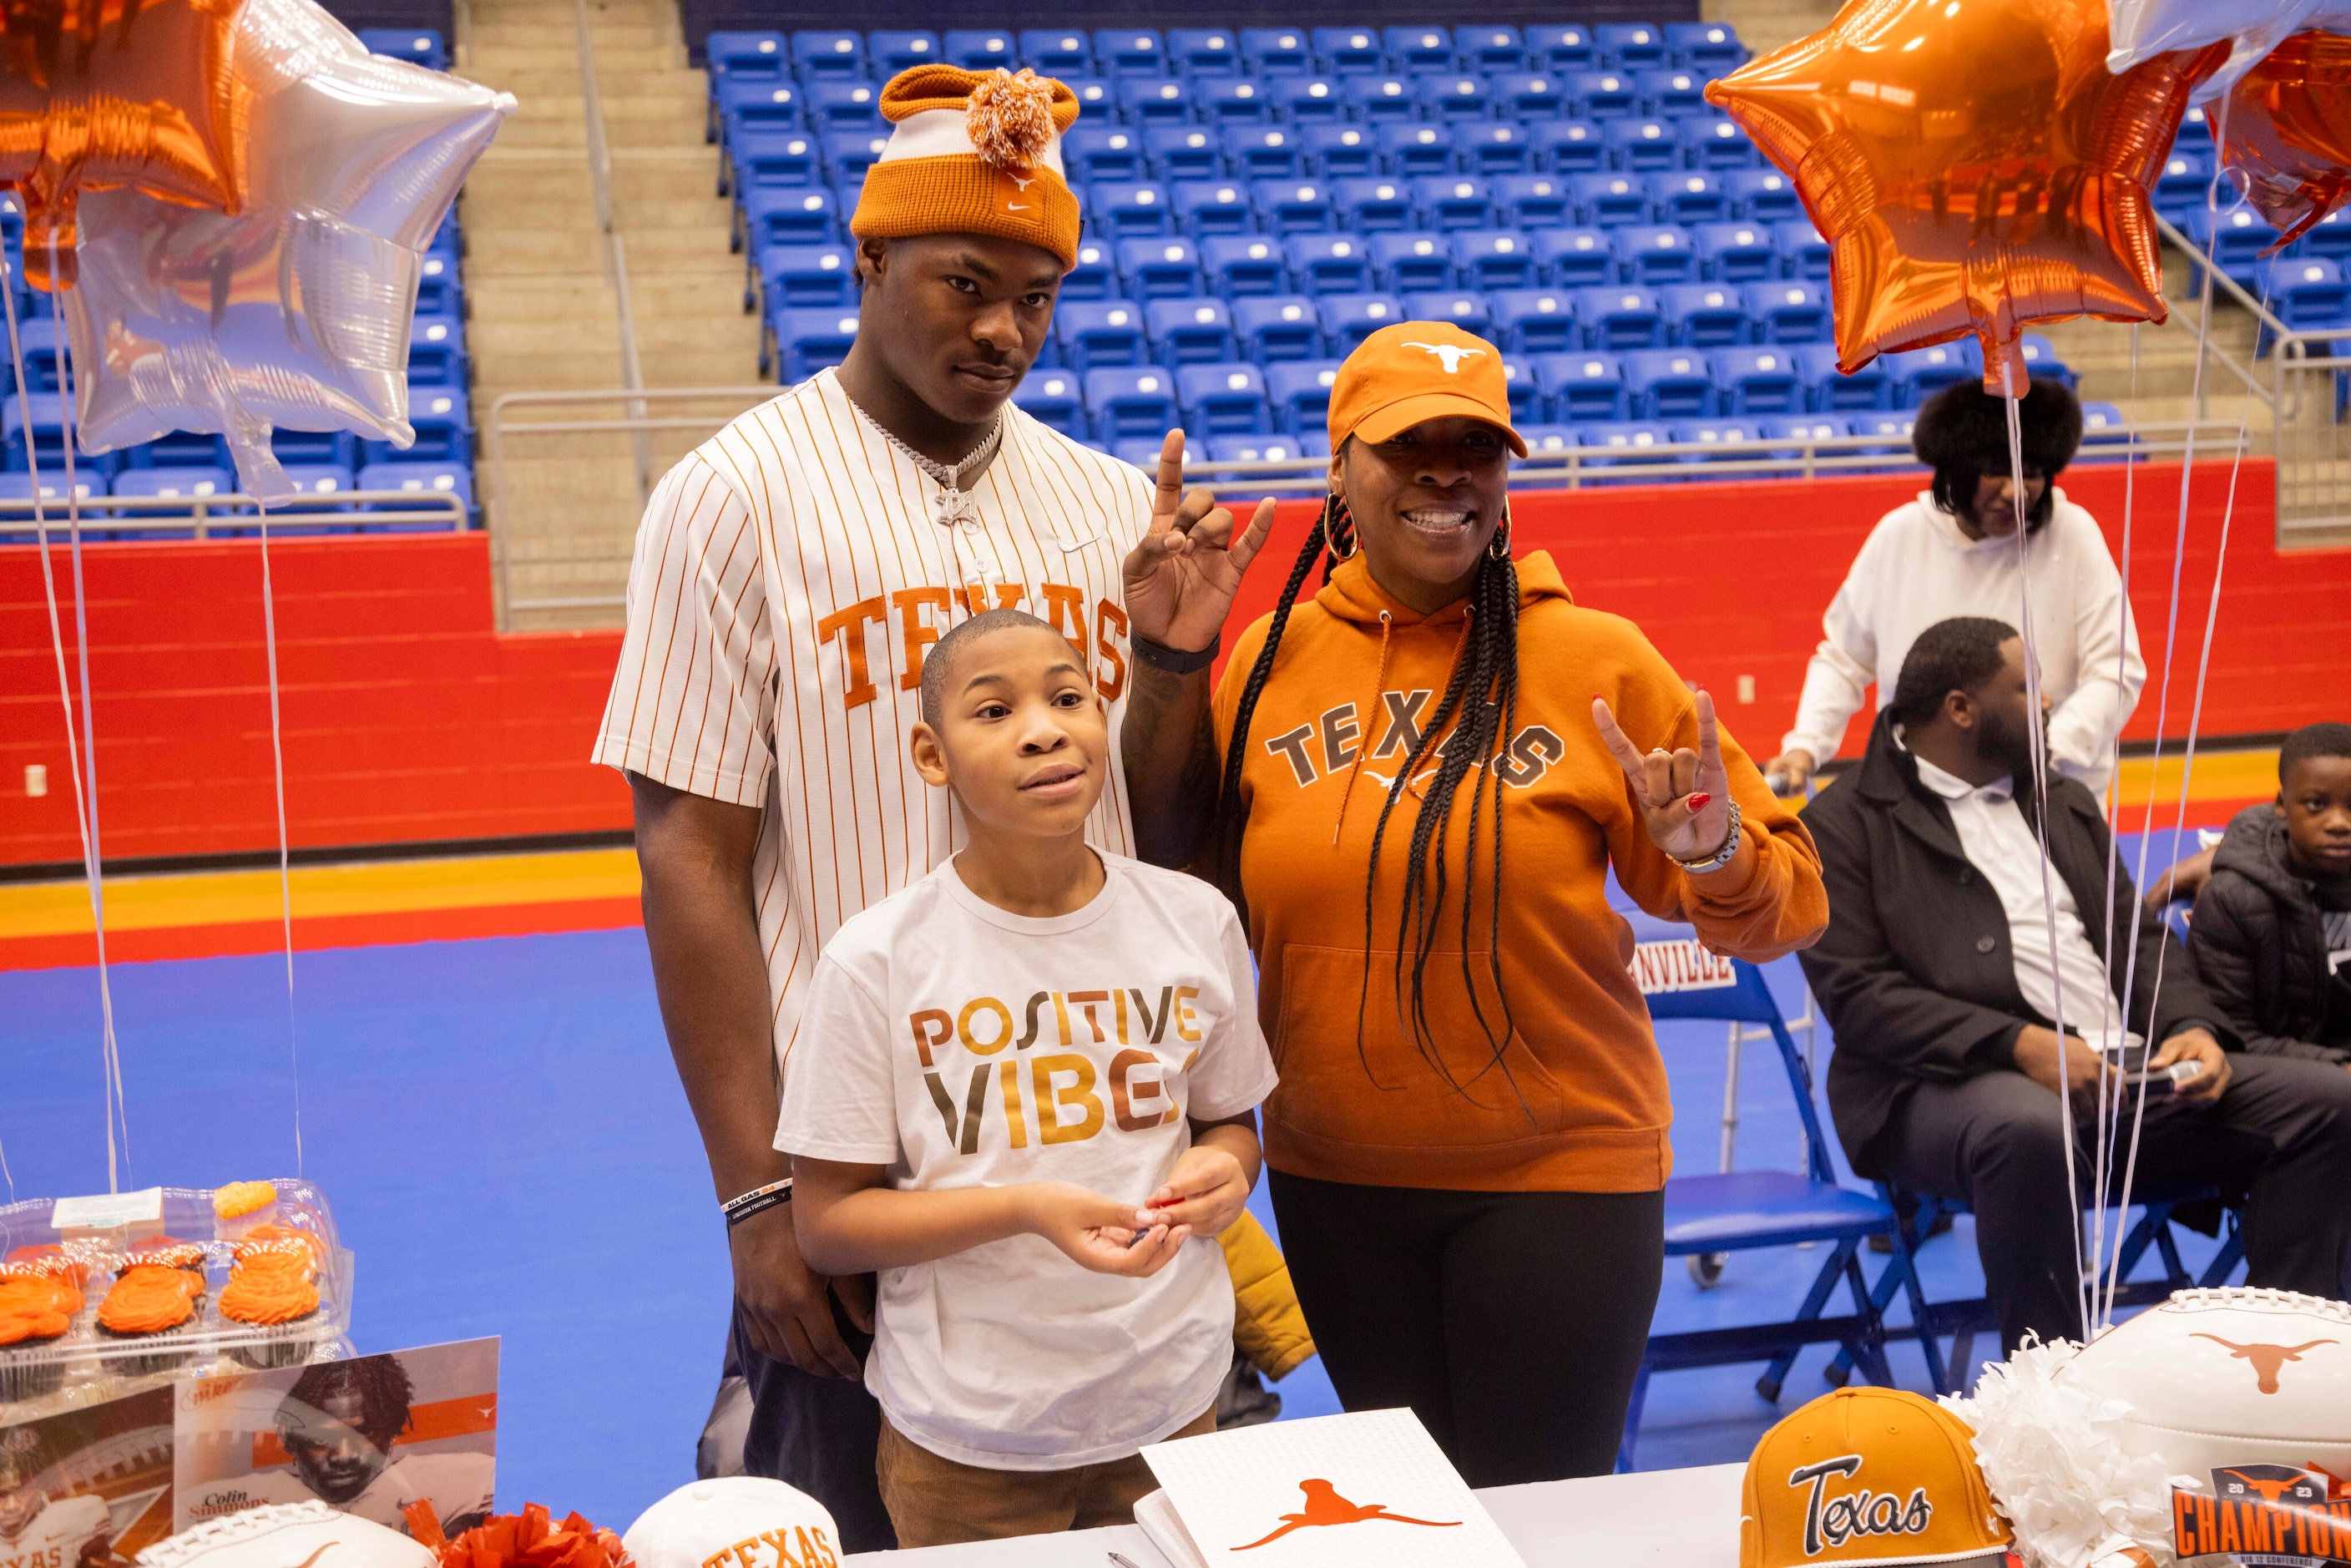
column 961, row 1045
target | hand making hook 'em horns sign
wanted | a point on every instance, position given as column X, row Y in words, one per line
column 1684, row 795
column 1181, row 577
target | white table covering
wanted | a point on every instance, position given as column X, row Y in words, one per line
column 1653, row 1519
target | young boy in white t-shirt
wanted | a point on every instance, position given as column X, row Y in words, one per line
column 1024, row 1092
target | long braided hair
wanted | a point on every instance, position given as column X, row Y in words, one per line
column 1479, row 708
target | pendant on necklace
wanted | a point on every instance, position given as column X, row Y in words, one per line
column 953, row 508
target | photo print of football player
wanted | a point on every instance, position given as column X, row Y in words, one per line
column 88, row 1489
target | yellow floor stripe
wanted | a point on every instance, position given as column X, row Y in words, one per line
column 373, row 887
column 2220, row 776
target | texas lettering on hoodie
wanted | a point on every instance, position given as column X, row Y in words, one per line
column 1578, row 1099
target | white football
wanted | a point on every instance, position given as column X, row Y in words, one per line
column 2231, row 1377
column 285, row 1536
column 703, row 1520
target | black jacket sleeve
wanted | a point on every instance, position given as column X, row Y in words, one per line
column 1878, row 1009
column 2222, row 937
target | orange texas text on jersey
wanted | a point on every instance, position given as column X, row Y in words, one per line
column 911, row 619
column 1060, row 1087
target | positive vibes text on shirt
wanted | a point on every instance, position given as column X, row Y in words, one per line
column 1056, row 1095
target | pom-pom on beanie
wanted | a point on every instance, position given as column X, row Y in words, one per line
column 973, row 153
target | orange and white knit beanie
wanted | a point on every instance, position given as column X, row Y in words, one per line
column 973, row 153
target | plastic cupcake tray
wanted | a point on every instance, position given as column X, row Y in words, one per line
column 86, row 1363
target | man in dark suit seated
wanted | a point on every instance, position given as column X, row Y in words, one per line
column 1962, row 1000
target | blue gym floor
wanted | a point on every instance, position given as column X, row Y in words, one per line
column 509, row 1152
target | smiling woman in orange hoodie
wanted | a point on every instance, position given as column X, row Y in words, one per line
column 1429, row 769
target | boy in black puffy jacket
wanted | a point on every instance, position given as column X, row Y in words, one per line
column 2272, row 931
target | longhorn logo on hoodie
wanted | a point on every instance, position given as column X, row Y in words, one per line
column 1329, row 743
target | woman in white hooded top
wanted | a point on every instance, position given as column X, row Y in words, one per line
column 1952, row 551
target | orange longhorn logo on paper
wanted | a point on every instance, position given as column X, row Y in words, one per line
column 2269, row 1487
column 1325, row 1506
column 2266, row 1358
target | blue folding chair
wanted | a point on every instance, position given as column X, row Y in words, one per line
column 1536, row 320
column 1057, row 51
column 1374, row 206
column 1688, row 196
column 1672, row 94
column 1158, row 269
column 1093, row 334
column 1712, row 142
column 1093, row 278
column 1207, row 208
column 1534, row 202
column 1340, row 151
column 1348, row 49
column 820, row 55
column 1412, row 149
column 1488, row 46
column 1448, row 99
column 1277, row 51
column 1204, row 51
column 1642, row 146
column 1705, row 315
column 1329, row 264
column 1670, row 383
column 1493, row 259
column 1570, row 146
column 1654, row 254
column 1131, row 210
column 1293, row 207
column 1608, row 201
column 1489, row 149
column 1223, row 399
column 1056, row 398
column 1562, row 46
column 1129, row 404
column 1237, row 100
column 1711, row 48
column 1830, row 391
column 1348, row 318
column 1584, row 387
column 1411, row 262
column 417, row 46
column 1630, row 45
column 1450, row 202
column 1146, row 102
column 1790, row 311
column 1300, row 391
column 1309, row 101
column 1242, row 266
column 1190, row 331
column 1468, row 311
column 894, row 49
column 1919, row 373
column 1130, row 51
column 1175, row 152
column 1618, row 318
column 1274, row 329
column 1736, row 253
column 1604, row 95
column 980, row 48
column 1575, row 258
column 1380, row 100
column 1104, row 153
column 1526, row 96
column 1419, row 48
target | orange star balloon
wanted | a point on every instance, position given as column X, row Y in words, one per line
column 2286, row 134
column 1973, row 165
column 103, row 94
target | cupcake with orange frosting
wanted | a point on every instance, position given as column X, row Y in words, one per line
column 273, row 1283
column 241, row 1207
column 38, row 1303
column 155, row 1294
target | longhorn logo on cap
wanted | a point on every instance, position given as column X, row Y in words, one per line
column 1451, row 353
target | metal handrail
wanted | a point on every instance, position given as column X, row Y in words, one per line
column 235, row 509
column 616, row 262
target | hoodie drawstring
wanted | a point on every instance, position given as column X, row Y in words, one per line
column 1379, row 685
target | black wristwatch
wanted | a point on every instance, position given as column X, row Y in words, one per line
column 1174, row 661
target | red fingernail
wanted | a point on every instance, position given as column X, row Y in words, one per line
column 1697, row 803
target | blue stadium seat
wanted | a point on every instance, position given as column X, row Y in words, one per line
column 894, row 49
column 1671, row 94
column 2330, row 236
column 2307, row 293
column 186, row 484
column 1802, row 252
column 1456, row 98
column 1095, row 333
column 1489, row 46
column 1627, row 441
column 1494, row 258
column 788, row 217
column 1412, row 149
column 1241, row 267
column 1204, row 51
column 2185, row 185
column 1618, row 318
column 1130, row 51
column 1274, row 327
column 1790, row 311
column 1583, row 386
column 1487, row 149
column 1654, row 255
column 1264, row 153
column 1642, row 146
column 1715, row 143
column 1340, row 151
column 1093, row 278
column 2195, row 130
column 1604, row 95
column 1190, row 331
column 1608, row 201
column 1800, row 431
column 2041, row 363
column 980, row 48
column 201, row 449
column 1705, row 315
column 1095, row 96
column 1330, row 264
column 2236, row 239
column 1762, row 195
column 1729, row 440
column 1054, row 397
column 42, row 342
column 1223, row 399
column 1128, row 403
column 1533, row 201
column 1309, row 101
column 1528, row 96
column 1294, row 206
column 851, row 154
column 1238, row 100
column 1146, row 102
column 1896, row 428
column 1562, row 46
column 1570, row 146
column 1546, row 441
column 1526, row 398
column 412, row 473
column 443, row 427
column 417, row 46
column 1211, row 208
column 1104, row 153
column 436, row 350
column 1449, row 202
column 1142, row 452
column 1870, row 389
column 1374, row 206
column 1760, row 379
column 1057, row 51
column 844, row 106
column 758, row 106
column 1711, row 48
column 1411, row 262
column 1575, row 258
column 1630, row 45
column 319, row 486
column 1184, row 152
column 1919, row 373
column 1277, row 51
column 801, row 277
column 43, row 413
column 2103, row 436
column 17, row 486
column 1300, row 391
column 1687, row 196
column 1348, row 51
column 1165, row 268
column 822, row 55
column 1122, row 209
column 1536, row 320
column 1255, row 449
column 808, row 340
column 762, row 54
column 1670, row 383
column 1465, row 309
column 776, row 159
column 1419, row 48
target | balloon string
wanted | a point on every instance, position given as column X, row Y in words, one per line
column 2039, row 754
column 85, row 801
column 285, row 876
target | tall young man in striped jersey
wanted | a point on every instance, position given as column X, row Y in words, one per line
column 789, row 575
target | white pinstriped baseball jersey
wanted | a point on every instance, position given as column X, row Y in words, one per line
column 788, row 579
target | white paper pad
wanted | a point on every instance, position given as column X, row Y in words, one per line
column 1365, row 1490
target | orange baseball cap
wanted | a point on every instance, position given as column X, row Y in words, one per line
column 1868, row 1476
column 1414, row 370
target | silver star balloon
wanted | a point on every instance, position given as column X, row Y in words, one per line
column 294, row 311
column 2138, row 30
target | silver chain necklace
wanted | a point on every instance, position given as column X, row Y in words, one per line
column 953, row 506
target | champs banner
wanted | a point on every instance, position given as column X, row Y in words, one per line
column 2265, row 1516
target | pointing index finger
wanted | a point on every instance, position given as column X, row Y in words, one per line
column 1170, row 493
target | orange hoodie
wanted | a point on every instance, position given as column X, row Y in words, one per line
column 1582, row 1105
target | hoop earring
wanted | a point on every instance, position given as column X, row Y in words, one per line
column 1498, row 547
column 1339, row 535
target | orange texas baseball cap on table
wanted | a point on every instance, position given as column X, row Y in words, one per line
column 1867, row 1475
column 1414, row 371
